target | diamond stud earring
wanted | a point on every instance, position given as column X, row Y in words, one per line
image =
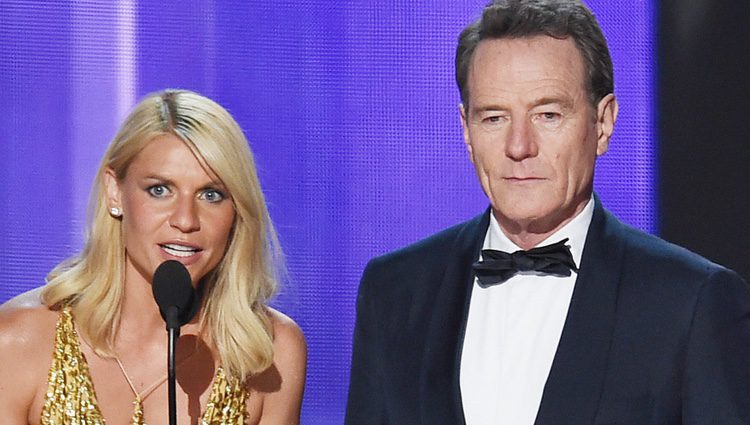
column 115, row 212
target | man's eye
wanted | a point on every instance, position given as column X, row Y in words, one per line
column 493, row 119
column 212, row 195
column 550, row 116
column 157, row 190
column 550, row 120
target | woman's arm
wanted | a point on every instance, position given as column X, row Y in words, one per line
column 282, row 406
column 26, row 339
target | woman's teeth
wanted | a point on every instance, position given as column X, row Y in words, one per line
column 179, row 250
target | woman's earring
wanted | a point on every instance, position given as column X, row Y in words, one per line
column 115, row 212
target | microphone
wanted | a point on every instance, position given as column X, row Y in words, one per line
column 178, row 302
column 174, row 294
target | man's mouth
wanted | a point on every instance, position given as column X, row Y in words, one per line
column 523, row 179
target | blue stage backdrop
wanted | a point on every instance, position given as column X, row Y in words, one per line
column 350, row 108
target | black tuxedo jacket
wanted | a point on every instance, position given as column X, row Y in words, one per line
column 654, row 334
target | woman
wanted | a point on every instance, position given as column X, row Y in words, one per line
column 178, row 182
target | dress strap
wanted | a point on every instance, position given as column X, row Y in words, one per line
column 143, row 394
column 70, row 396
column 138, row 402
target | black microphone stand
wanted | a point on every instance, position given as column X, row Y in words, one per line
column 173, row 331
column 178, row 304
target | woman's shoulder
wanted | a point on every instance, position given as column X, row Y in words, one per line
column 290, row 348
column 286, row 332
column 26, row 325
column 32, row 298
column 26, row 312
column 27, row 338
column 283, row 383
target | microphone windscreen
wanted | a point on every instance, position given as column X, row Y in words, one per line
column 173, row 287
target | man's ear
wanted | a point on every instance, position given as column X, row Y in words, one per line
column 606, row 115
column 465, row 127
column 112, row 187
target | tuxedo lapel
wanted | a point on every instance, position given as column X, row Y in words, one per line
column 571, row 394
column 440, row 394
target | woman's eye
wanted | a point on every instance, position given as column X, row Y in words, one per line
column 212, row 195
column 157, row 190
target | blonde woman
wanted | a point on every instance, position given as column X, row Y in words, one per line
column 178, row 182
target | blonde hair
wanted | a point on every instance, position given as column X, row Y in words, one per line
column 234, row 317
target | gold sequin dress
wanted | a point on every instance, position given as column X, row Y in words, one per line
column 71, row 399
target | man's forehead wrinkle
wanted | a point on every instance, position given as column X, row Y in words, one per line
column 502, row 98
column 527, row 79
column 516, row 77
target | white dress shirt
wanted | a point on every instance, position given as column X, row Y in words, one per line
column 512, row 333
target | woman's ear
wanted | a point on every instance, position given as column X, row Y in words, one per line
column 112, row 188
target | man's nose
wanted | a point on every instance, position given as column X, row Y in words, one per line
column 521, row 143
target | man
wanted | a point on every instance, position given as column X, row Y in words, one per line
column 608, row 325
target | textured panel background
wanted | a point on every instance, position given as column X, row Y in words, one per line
column 350, row 108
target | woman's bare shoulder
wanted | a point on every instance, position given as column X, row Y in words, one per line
column 26, row 326
column 27, row 336
column 25, row 321
column 283, row 383
column 25, row 317
column 32, row 298
column 286, row 332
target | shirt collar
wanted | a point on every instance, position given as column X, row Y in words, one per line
column 575, row 230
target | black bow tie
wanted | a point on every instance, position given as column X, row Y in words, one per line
column 498, row 266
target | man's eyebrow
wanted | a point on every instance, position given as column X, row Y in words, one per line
column 486, row 107
column 564, row 102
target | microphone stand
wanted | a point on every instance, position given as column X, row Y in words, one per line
column 178, row 304
column 173, row 331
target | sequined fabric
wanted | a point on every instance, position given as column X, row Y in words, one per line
column 71, row 399
column 137, row 418
column 227, row 402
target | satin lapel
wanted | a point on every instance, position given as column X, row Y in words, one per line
column 440, row 394
column 571, row 394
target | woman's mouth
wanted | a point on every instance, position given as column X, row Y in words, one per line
column 177, row 250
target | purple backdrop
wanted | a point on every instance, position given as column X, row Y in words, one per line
column 350, row 108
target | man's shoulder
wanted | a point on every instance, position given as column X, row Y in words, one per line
column 441, row 244
column 648, row 252
column 415, row 272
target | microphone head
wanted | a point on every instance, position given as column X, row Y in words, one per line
column 173, row 289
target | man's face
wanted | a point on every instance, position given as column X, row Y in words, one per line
column 532, row 133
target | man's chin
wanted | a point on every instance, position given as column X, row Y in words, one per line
column 528, row 218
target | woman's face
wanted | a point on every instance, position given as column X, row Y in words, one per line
column 173, row 208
